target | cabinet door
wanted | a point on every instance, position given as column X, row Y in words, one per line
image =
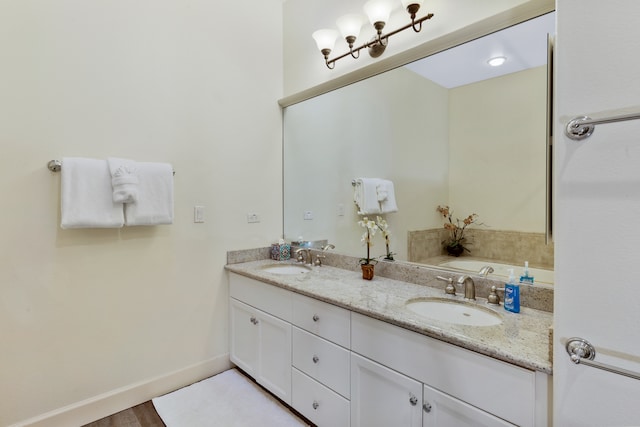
column 244, row 337
column 274, row 372
column 442, row 410
column 381, row 397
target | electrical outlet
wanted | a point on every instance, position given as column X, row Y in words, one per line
column 340, row 209
column 253, row 217
column 308, row 215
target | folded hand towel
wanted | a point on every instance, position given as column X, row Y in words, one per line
column 86, row 195
column 155, row 196
column 365, row 196
column 124, row 180
column 386, row 196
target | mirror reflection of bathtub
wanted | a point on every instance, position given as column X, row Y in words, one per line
column 541, row 276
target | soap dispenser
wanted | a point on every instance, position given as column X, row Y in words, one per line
column 512, row 294
column 526, row 278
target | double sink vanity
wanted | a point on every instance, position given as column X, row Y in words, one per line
column 396, row 350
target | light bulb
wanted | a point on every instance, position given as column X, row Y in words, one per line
column 497, row 61
column 350, row 25
column 325, row 39
column 377, row 10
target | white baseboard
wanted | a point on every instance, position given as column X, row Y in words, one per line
column 103, row 405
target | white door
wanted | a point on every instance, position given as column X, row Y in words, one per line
column 244, row 337
column 597, row 212
column 442, row 410
column 275, row 355
column 381, row 397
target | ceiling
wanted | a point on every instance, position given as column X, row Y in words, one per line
column 524, row 45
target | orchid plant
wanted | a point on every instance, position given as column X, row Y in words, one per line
column 367, row 238
column 456, row 229
column 384, row 229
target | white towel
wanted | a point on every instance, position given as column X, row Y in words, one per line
column 155, row 196
column 365, row 196
column 124, row 180
column 386, row 196
column 86, row 195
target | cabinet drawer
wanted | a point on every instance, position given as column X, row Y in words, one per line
column 322, row 360
column 504, row 390
column 328, row 321
column 316, row 402
column 275, row 301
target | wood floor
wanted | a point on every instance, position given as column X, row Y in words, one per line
column 143, row 415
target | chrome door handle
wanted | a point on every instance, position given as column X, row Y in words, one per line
column 315, row 359
column 315, row 317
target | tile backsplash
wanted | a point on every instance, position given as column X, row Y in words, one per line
column 509, row 247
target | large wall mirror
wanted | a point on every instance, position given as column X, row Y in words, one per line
column 447, row 130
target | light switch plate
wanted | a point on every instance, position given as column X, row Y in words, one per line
column 198, row 214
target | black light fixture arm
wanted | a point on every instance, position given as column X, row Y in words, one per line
column 350, row 40
column 382, row 39
column 412, row 9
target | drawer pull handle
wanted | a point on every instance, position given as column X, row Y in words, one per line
column 316, row 317
column 315, row 405
column 253, row 320
column 426, row 407
column 315, row 359
column 413, row 400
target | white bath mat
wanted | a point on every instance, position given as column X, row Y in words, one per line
column 228, row 399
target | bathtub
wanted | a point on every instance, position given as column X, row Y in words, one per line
column 500, row 270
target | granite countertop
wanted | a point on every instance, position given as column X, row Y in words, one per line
column 521, row 339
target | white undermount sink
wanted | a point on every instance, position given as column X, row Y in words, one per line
column 286, row 269
column 457, row 312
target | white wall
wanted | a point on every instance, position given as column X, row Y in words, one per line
column 87, row 312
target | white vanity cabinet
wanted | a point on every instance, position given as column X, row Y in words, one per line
column 340, row 368
column 260, row 341
column 466, row 381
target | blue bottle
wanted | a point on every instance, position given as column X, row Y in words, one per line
column 512, row 294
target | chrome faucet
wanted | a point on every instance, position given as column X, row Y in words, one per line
column 320, row 257
column 484, row 271
column 307, row 258
column 469, row 287
column 450, row 289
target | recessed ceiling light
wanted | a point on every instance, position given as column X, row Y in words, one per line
column 497, row 61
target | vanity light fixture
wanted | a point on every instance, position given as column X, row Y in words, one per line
column 496, row 61
column 378, row 12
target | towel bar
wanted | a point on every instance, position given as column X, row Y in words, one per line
column 582, row 352
column 56, row 166
column 582, row 127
